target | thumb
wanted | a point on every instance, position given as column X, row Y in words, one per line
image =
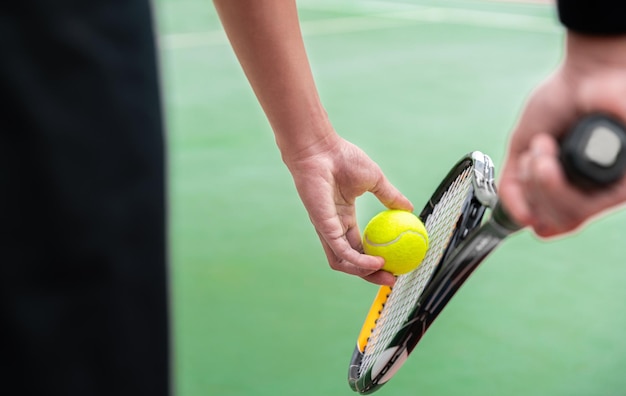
column 390, row 196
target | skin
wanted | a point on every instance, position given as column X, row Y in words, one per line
column 328, row 171
column 533, row 188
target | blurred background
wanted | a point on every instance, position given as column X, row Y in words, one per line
column 416, row 84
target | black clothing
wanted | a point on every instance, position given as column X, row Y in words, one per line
column 82, row 228
column 598, row 17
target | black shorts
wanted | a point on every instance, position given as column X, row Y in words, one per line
column 83, row 304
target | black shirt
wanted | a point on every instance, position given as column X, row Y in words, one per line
column 82, row 236
column 598, row 17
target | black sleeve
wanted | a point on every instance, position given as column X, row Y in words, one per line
column 83, row 255
column 593, row 16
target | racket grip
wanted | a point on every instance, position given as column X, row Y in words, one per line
column 593, row 154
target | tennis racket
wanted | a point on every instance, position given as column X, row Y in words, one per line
column 593, row 155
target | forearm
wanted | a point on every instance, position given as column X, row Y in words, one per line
column 266, row 37
column 594, row 66
column 594, row 70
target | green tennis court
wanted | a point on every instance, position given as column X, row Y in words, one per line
column 416, row 84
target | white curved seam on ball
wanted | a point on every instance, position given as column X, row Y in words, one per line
column 394, row 240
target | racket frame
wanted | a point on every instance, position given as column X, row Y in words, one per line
column 481, row 195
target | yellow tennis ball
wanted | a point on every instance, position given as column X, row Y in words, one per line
column 399, row 237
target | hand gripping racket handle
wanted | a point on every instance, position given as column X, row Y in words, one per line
column 593, row 155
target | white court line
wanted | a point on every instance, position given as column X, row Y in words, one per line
column 383, row 15
column 175, row 41
column 490, row 19
column 309, row 28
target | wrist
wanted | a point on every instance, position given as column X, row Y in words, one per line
column 590, row 53
column 301, row 136
column 594, row 73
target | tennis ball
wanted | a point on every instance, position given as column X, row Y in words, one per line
column 397, row 236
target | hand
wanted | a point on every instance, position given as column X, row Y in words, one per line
column 533, row 186
column 329, row 180
column 328, row 171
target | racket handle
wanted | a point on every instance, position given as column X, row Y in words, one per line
column 593, row 154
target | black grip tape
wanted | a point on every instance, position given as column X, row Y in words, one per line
column 593, row 153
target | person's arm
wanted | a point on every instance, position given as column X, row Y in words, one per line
column 329, row 172
column 591, row 78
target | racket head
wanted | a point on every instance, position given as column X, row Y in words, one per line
column 387, row 336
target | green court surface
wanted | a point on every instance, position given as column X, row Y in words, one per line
column 416, row 84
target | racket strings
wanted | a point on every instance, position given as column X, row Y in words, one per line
column 404, row 295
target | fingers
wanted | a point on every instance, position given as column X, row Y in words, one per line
column 343, row 257
column 558, row 207
column 352, row 262
column 511, row 187
column 552, row 200
column 536, row 192
column 381, row 278
column 344, row 252
column 390, row 196
column 329, row 193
